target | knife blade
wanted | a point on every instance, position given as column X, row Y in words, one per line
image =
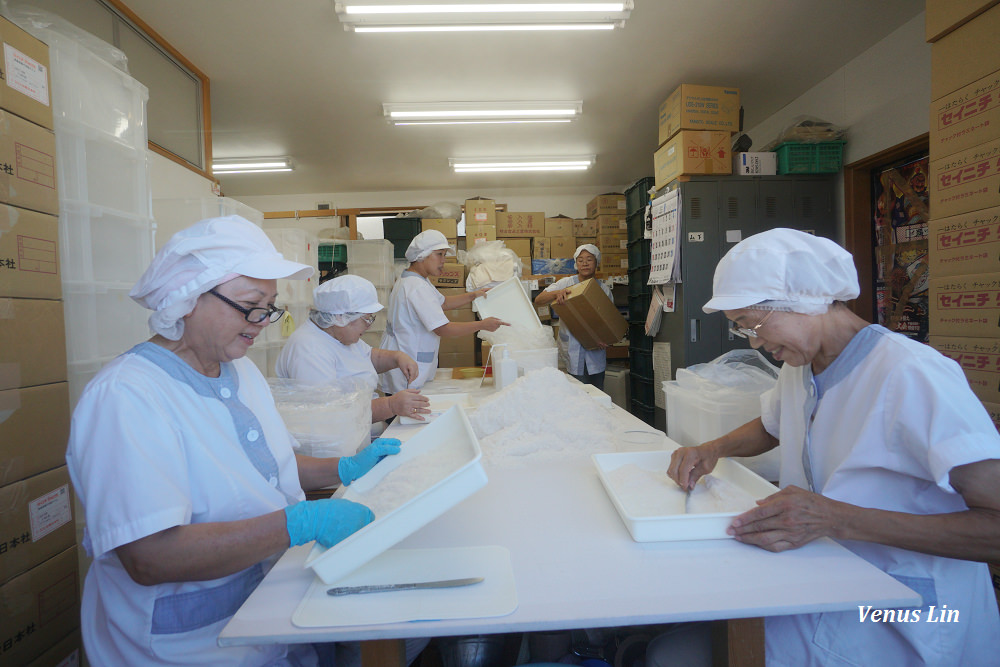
column 382, row 588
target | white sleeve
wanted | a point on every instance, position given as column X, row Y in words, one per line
column 426, row 303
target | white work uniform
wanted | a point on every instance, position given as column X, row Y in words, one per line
column 579, row 360
column 413, row 314
column 313, row 356
column 887, row 421
column 155, row 444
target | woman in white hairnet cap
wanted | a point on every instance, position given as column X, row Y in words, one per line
column 329, row 346
column 585, row 365
column 884, row 448
column 415, row 319
column 184, row 467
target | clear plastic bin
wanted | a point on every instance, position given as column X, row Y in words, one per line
column 99, row 245
column 103, row 173
column 101, row 321
column 186, row 212
column 374, row 251
column 381, row 275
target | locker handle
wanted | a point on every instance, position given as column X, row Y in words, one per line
column 695, row 330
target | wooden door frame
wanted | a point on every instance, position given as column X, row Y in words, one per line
column 857, row 215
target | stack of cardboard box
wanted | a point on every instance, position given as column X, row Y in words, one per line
column 38, row 556
column 610, row 232
column 460, row 351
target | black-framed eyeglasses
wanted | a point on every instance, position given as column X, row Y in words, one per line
column 252, row 315
column 744, row 332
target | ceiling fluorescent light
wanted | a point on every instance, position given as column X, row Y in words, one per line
column 473, row 165
column 459, row 113
column 454, row 15
column 251, row 165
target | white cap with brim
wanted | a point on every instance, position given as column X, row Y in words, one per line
column 424, row 243
column 784, row 269
column 196, row 259
column 346, row 294
column 591, row 248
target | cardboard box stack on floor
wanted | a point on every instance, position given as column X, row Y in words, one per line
column 38, row 557
column 459, row 351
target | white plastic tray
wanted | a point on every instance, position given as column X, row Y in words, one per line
column 676, row 527
column 440, row 403
column 451, row 430
column 508, row 302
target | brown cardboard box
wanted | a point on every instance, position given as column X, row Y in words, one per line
column 29, row 254
column 692, row 107
column 34, row 433
column 32, row 342
column 24, row 68
column 966, row 181
column 28, row 161
column 979, row 358
column 581, row 240
column 591, row 316
column 586, row 226
column 692, row 152
column 562, row 246
column 452, row 275
column 458, row 345
column 36, row 521
column 965, row 244
column 520, row 224
column 65, row 653
column 965, row 306
column 611, row 203
column 610, row 224
column 943, row 16
column 480, row 212
column 446, row 226
column 525, row 264
column 520, row 246
column 559, row 226
column 965, row 118
column 612, row 240
column 993, row 410
column 41, row 606
column 456, row 359
column 541, row 248
column 614, row 261
column 476, row 233
column 966, row 54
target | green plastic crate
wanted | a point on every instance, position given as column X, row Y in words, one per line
column 335, row 252
column 637, row 195
column 817, row 158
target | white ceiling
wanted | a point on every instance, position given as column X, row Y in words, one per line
column 286, row 79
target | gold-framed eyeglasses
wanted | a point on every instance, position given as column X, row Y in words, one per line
column 368, row 319
column 252, row 315
column 744, row 332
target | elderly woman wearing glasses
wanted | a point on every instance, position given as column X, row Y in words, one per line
column 884, row 448
column 184, row 467
column 329, row 346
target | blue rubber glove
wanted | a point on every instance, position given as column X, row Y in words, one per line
column 327, row 521
column 351, row 468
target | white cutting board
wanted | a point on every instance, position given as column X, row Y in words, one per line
column 495, row 596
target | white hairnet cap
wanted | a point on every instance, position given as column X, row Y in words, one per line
column 346, row 294
column 794, row 270
column 200, row 257
column 591, row 248
column 424, row 243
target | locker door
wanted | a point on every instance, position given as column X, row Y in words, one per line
column 812, row 203
column 738, row 219
column 701, row 242
column 774, row 204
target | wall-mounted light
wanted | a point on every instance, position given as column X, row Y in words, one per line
column 464, row 113
column 457, row 15
column 559, row 163
column 251, row 165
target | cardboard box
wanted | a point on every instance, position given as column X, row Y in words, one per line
column 965, row 118
column 692, row 152
column 609, row 224
column 67, row 652
column 461, row 315
column 41, row 606
column 692, row 107
column 452, row 275
column 979, row 358
column 614, row 261
column 29, row 254
column 755, row 164
column 525, row 264
column 966, row 54
column 36, row 521
column 476, row 233
column 446, row 226
column 520, row 224
column 520, row 246
column 586, row 226
column 540, row 248
column 612, row 240
column 559, row 226
column 34, row 430
column 562, row 246
column 458, row 345
column 27, row 165
column 24, row 68
column 456, row 359
column 561, row 266
column 964, row 244
column 591, row 316
column 966, row 181
column 612, row 203
column 943, row 16
column 32, row 342
column 993, row 410
column 480, row 212
column 965, row 305
column 581, row 240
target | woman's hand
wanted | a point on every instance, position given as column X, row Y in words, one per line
column 689, row 464
column 409, row 367
column 787, row 519
column 562, row 295
column 410, row 403
column 492, row 324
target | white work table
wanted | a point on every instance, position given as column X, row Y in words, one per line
column 576, row 566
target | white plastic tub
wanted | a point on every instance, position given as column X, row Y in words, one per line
column 452, row 431
column 532, row 360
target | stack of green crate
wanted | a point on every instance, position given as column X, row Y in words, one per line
column 639, row 297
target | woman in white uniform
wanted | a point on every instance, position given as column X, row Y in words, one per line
column 884, row 448
column 184, row 467
column 329, row 347
column 415, row 320
column 585, row 365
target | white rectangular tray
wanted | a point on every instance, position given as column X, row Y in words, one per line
column 451, row 430
column 676, row 527
column 508, row 302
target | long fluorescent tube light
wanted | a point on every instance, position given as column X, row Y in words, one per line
column 482, row 16
column 442, row 113
column 475, row 165
column 486, row 8
column 487, row 28
column 251, row 165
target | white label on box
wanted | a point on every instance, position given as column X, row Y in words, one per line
column 26, row 75
column 621, row 204
column 49, row 512
column 734, row 235
column 481, row 216
column 623, row 244
column 71, row 660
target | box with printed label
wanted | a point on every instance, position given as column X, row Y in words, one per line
column 520, row 246
column 967, row 117
column 32, row 342
column 476, row 233
column 27, row 165
column 965, row 305
column 585, row 226
column 612, row 203
column 590, row 315
column 692, row 107
column 34, row 429
column 610, row 224
column 452, row 275
column 26, row 89
column 943, row 16
column 692, row 152
column 964, row 244
column 583, row 240
column 29, row 254
column 978, row 357
column 559, row 226
column 562, row 246
column 540, row 248
column 614, row 260
column 612, row 240
column 65, row 653
column 966, row 181
column 43, row 606
column 993, row 410
column 480, row 212
column 756, row 164
column 36, row 521
column 966, row 54
column 446, row 226
column 522, row 224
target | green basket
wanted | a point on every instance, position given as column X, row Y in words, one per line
column 817, row 158
column 335, row 252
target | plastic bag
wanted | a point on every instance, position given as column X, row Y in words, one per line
column 59, row 33
column 327, row 420
column 737, row 370
column 810, row 130
column 490, row 263
column 441, row 210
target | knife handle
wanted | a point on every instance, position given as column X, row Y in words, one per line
column 351, row 590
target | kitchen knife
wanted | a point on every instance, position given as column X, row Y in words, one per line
column 381, row 588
